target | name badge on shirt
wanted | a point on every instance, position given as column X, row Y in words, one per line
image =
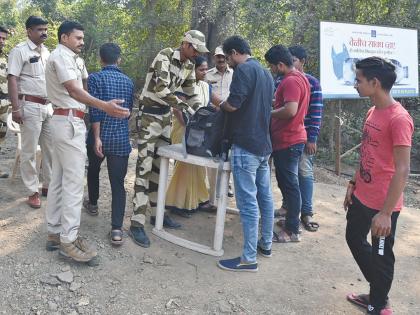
column 34, row 59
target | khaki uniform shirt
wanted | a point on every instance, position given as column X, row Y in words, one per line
column 27, row 63
column 165, row 76
column 62, row 66
column 220, row 83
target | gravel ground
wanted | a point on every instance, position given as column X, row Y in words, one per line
column 311, row 277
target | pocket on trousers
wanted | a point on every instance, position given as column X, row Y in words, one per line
column 296, row 151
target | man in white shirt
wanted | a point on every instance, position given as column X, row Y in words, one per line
column 30, row 107
column 65, row 73
column 220, row 76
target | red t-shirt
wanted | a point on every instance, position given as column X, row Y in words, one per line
column 293, row 88
column 383, row 130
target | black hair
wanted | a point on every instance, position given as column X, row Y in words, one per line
column 4, row 30
column 277, row 54
column 109, row 53
column 68, row 27
column 299, row 52
column 199, row 60
column 35, row 21
column 381, row 69
column 237, row 43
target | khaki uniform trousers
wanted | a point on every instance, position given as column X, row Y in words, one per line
column 36, row 128
column 65, row 194
column 153, row 132
column 4, row 107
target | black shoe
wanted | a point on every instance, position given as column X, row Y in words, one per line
column 181, row 212
column 264, row 252
column 139, row 236
column 167, row 222
column 4, row 175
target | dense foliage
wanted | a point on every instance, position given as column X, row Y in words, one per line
column 142, row 27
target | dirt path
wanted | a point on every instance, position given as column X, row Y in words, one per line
column 311, row 277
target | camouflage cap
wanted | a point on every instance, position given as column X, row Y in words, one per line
column 219, row 51
column 197, row 39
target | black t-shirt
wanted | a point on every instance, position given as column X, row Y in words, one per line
column 251, row 92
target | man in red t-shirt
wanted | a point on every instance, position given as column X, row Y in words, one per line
column 374, row 195
column 288, row 135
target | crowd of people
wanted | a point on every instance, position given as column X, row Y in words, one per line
column 272, row 115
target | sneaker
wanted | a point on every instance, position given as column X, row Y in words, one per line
column 167, row 222
column 34, row 201
column 53, row 242
column 264, row 252
column 90, row 208
column 79, row 250
column 139, row 236
column 44, row 192
column 235, row 264
column 4, row 175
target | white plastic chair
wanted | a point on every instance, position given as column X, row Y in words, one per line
column 14, row 127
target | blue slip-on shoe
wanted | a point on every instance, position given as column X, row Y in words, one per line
column 167, row 222
column 235, row 264
column 139, row 236
column 264, row 252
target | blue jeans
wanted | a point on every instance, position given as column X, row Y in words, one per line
column 286, row 162
column 306, row 183
column 252, row 179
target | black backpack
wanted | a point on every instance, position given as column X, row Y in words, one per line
column 206, row 134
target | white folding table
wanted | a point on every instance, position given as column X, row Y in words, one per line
column 175, row 152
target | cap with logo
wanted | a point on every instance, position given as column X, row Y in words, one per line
column 219, row 51
column 197, row 39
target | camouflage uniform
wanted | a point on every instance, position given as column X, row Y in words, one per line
column 166, row 75
column 4, row 99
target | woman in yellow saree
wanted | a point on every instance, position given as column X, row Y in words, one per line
column 187, row 191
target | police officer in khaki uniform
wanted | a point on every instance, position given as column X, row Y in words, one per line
column 31, row 108
column 219, row 78
column 172, row 69
column 65, row 73
column 4, row 99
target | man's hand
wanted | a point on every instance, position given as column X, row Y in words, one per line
column 310, row 148
column 347, row 199
column 381, row 225
column 113, row 109
column 97, row 147
column 17, row 117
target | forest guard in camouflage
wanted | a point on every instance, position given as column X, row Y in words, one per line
column 171, row 70
column 4, row 98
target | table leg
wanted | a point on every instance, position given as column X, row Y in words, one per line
column 161, row 197
column 221, row 212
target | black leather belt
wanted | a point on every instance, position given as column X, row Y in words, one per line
column 155, row 110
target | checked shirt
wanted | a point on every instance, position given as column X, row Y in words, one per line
column 107, row 84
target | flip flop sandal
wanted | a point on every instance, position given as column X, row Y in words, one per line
column 116, row 237
column 308, row 224
column 207, row 207
column 283, row 237
column 359, row 300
